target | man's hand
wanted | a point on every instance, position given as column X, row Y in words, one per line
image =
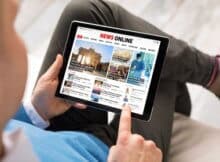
column 43, row 98
column 132, row 147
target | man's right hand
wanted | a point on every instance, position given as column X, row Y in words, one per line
column 132, row 147
column 43, row 98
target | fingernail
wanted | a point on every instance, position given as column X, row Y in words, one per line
column 80, row 105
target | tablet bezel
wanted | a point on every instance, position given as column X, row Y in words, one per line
column 156, row 73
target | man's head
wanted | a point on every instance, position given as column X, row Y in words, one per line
column 13, row 62
column 139, row 56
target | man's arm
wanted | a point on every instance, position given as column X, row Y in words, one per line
column 21, row 115
column 27, row 113
column 44, row 105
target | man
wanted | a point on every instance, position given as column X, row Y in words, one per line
column 49, row 146
column 137, row 66
column 44, row 109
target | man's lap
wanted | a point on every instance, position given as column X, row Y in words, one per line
column 95, row 11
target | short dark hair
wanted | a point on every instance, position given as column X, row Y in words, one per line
column 138, row 55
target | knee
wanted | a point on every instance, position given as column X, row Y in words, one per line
column 78, row 10
column 93, row 11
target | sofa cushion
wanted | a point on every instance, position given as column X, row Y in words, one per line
column 193, row 141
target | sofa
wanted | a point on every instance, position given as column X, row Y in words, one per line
column 193, row 141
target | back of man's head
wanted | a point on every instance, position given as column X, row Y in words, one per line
column 13, row 62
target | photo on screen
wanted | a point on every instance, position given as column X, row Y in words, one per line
column 70, row 76
column 68, row 83
column 66, row 90
column 126, row 95
column 140, row 69
column 96, row 91
column 91, row 58
column 119, row 66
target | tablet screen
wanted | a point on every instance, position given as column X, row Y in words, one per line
column 109, row 68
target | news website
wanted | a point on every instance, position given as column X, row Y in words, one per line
column 110, row 68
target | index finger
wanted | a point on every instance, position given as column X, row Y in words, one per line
column 125, row 121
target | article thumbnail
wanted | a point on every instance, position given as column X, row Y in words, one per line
column 91, row 58
column 70, row 77
column 140, row 69
column 66, row 90
column 68, row 83
column 96, row 91
column 119, row 66
column 67, row 86
column 127, row 93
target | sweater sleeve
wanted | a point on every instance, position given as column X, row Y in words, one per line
column 21, row 115
column 27, row 113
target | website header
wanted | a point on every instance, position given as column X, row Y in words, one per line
column 122, row 40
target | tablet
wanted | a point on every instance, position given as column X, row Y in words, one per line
column 107, row 68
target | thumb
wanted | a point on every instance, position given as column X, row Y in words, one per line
column 53, row 71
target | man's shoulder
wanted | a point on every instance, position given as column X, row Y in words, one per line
column 15, row 124
column 18, row 147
